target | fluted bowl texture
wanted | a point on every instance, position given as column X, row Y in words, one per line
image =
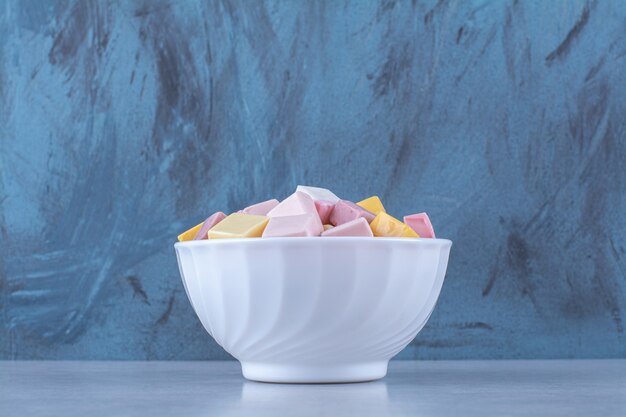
column 313, row 309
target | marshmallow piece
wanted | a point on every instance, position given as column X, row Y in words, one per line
column 387, row 226
column 208, row 224
column 262, row 208
column 324, row 208
column 239, row 225
column 189, row 234
column 346, row 211
column 372, row 204
column 317, row 193
column 328, row 226
column 291, row 226
column 296, row 203
column 356, row 227
column 421, row 224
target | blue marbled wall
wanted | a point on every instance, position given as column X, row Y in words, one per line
column 122, row 123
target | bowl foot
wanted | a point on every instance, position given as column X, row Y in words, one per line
column 314, row 374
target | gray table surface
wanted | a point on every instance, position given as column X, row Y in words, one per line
column 445, row 388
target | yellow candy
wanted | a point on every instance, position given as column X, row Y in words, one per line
column 372, row 204
column 408, row 232
column 385, row 225
column 189, row 234
column 328, row 226
column 239, row 225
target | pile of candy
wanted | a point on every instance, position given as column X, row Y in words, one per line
column 311, row 211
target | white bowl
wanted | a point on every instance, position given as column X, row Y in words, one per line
column 311, row 309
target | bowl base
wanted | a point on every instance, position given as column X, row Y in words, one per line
column 314, row 374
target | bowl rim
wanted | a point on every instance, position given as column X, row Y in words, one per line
column 303, row 239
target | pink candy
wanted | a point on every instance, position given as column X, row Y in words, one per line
column 213, row 219
column 298, row 225
column 261, row 209
column 420, row 223
column 296, row 203
column 324, row 208
column 356, row 227
column 346, row 211
column 294, row 216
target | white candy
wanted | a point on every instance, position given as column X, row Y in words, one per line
column 317, row 193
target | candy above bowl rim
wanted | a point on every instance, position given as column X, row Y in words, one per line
column 300, row 239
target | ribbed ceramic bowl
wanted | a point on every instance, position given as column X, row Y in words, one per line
column 313, row 309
